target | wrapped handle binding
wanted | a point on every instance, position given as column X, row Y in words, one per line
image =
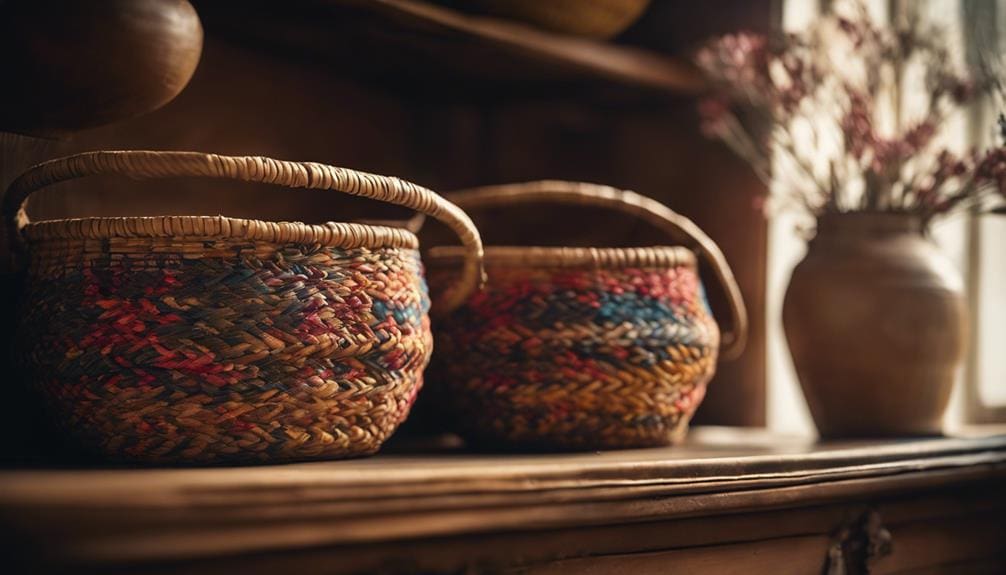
column 678, row 227
column 156, row 164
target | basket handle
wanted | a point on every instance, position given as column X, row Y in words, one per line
column 675, row 225
column 156, row 164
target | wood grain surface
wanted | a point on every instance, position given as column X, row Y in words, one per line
column 110, row 517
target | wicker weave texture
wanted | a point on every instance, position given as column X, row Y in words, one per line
column 578, row 359
column 212, row 340
column 304, row 353
column 580, row 348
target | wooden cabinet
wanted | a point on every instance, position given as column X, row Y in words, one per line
column 730, row 501
column 407, row 88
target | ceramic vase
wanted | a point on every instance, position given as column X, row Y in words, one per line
column 876, row 324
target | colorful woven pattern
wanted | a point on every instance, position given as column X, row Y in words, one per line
column 575, row 358
column 208, row 339
column 160, row 349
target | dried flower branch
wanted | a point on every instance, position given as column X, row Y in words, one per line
column 824, row 95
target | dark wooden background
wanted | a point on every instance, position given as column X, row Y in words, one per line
column 336, row 83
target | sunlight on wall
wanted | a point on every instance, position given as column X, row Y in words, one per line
column 787, row 410
column 992, row 293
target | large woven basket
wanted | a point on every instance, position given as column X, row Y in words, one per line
column 582, row 348
column 211, row 339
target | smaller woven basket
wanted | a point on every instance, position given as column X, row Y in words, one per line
column 581, row 348
column 212, row 339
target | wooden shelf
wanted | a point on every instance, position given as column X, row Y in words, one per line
column 428, row 51
column 135, row 517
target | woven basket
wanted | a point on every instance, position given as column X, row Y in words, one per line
column 582, row 348
column 211, row 339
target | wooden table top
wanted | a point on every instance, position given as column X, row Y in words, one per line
column 151, row 514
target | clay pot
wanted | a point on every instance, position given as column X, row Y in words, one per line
column 589, row 18
column 876, row 324
column 73, row 65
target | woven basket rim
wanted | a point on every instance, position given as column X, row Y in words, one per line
column 569, row 257
column 194, row 228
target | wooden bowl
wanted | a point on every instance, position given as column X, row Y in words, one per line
column 588, row 18
column 71, row 65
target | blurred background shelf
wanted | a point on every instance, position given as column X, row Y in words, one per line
column 428, row 51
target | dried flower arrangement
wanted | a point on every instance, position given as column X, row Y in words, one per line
column 829, row 102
